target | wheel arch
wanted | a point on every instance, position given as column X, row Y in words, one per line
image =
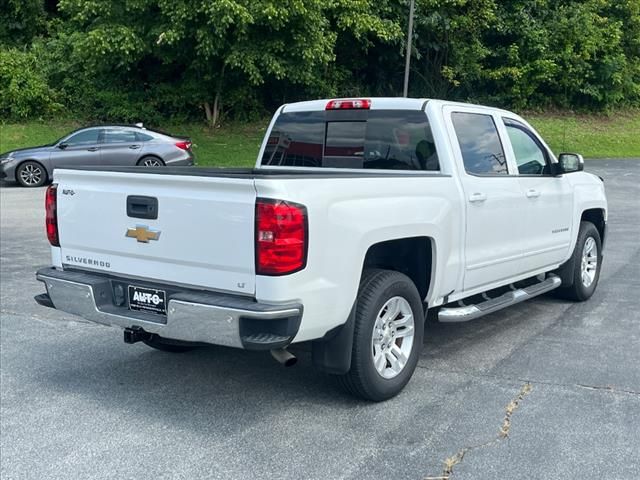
column 597, row 217
column 413, row 256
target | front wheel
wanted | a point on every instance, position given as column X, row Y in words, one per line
column 587, row 261
column 31, row 174
column 389, row 327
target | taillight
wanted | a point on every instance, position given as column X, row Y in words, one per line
column 355, row 104
column 281, row 237
column 183, row 145
column 51, row 209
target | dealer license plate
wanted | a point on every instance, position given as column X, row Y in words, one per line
column 147, row 299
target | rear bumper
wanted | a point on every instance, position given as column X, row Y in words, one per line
column 185, row 159
column 192, row 315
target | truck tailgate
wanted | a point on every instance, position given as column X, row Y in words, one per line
column 203, row 235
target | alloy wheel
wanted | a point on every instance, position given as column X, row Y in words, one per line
column 589, row 263
column 31, row 174
column 392, row 339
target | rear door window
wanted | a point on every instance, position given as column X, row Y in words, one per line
column 482, row 151
column 377, row 139
column 119, row 136
column 143, row 137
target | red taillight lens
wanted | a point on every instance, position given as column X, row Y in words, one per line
column 51, row 208
column 281, row 237
column 355, row 104
column 183, row 145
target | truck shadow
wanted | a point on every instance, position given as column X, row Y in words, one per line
column 217, row 387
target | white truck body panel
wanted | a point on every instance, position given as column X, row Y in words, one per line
column 205, row 225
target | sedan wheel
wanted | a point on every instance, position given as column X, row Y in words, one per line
column 151, row 162
column 31, row 174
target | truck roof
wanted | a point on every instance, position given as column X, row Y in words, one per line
column 379, row 103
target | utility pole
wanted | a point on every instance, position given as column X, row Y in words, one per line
column 408, row 52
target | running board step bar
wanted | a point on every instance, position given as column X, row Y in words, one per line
column 471, row 312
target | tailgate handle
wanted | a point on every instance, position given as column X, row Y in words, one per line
column 142, row 207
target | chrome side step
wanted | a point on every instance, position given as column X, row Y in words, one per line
column 471, row 312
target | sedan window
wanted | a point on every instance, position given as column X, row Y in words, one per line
column 143, row 137
column 119, row 136
column 84, row 137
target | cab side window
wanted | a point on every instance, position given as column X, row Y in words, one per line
column 531, row 157
column 480, row 145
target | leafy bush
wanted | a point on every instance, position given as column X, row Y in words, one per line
column 24, row 88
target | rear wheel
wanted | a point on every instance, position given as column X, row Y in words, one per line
column 389, row 327
column 587, row 260
column 31, row 174
column 150, row 162
column 167, row 345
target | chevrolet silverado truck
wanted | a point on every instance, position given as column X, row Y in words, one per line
column 360, row 217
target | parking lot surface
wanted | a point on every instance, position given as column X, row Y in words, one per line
column 545, row 389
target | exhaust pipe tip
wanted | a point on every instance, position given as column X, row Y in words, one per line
column 284, row 357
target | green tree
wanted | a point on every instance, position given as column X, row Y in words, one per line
column 215, row 47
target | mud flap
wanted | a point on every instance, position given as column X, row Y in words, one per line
column 332, row 353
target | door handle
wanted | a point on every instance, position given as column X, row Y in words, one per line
column 477, row 197
column 92, row 149
column 133, row 147
column 531, row 193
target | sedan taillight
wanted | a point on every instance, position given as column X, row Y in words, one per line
column 186, row 145
column 281, row 237
column 51, row 209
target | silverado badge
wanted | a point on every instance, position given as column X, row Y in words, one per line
column 142, row 233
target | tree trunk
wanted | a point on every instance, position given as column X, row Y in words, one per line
column 215, row 113
column 207, row 112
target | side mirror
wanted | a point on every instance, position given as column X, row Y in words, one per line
column 62, row 145
column 569, row 163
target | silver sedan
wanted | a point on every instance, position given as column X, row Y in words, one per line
column 103, row 145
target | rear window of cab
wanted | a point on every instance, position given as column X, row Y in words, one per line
column 375, row 139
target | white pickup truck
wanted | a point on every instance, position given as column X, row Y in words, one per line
column 360, row 216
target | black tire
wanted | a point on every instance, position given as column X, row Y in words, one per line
column 150, row 158
column 579, row 291
column 31, row 174
column 167, row 345
column 377, row 287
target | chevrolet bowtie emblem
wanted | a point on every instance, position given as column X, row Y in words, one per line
column 142, row 233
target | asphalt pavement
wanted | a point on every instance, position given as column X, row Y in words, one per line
column 546, row 389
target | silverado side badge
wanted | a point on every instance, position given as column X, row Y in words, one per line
column 142, row 233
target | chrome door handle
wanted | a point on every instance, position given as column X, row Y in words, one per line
column 477, row 197
column 133, row 147
column 531, row 193
column 92, row 149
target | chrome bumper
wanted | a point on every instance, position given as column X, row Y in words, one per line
column 192, row 316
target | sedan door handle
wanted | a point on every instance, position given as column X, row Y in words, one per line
column 133, row 147
column 92, row 149
column 477, row 197
column 531, row 193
